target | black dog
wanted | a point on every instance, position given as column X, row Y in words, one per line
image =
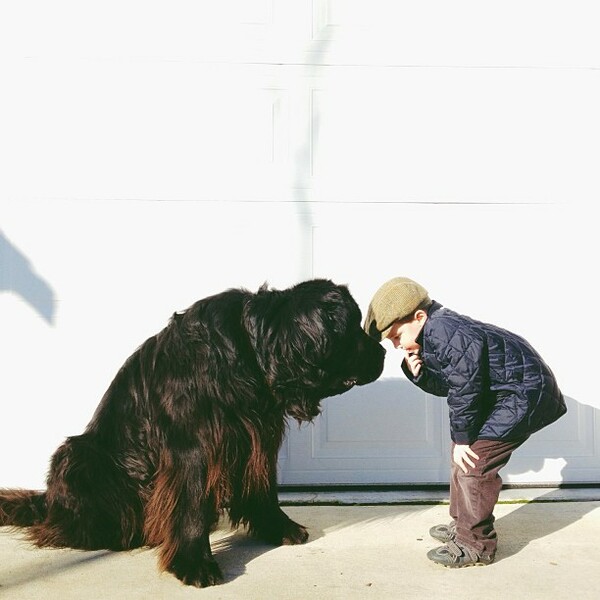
column 192, row 423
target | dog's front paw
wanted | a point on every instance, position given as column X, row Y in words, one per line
column 276, row 528
column 199, row 573
column 294, row 533
column 284, row 533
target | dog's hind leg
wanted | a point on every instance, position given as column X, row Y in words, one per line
column 91, row 502
column 179, row 518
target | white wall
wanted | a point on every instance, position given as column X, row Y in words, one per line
column 152, row 153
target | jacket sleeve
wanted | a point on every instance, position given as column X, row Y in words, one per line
column 425, row 380
column 464, row 367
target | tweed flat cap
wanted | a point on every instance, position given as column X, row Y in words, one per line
column 394, row 300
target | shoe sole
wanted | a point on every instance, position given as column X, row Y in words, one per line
column 477, row 564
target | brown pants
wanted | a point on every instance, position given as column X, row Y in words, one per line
column 474, row 495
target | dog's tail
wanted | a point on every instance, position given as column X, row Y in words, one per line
column 22, row 508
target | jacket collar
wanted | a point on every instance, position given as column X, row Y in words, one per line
column 435, row 306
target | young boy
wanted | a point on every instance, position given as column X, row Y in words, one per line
column 499, row 392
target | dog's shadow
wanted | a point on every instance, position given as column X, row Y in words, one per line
column 235, row 549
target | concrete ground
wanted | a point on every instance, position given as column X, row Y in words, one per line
column 361, row 546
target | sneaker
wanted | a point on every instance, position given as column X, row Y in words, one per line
column 443, row 533
column 454, row 555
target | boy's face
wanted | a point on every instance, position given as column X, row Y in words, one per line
column 404, row 334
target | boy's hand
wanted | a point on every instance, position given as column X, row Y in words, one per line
column 414, row 362
column 462, row 456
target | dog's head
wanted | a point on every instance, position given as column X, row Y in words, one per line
column 310, row 344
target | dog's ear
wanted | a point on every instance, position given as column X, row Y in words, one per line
column 278, row 325
column 309, row 332
column 340, row 309
column 291, row 336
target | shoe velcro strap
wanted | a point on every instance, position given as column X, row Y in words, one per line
column 457, row 550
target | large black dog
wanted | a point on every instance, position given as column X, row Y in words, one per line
column 192, row 424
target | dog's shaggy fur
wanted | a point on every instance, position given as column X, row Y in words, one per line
column 192, row 424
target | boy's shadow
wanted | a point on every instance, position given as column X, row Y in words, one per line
column 530, row 521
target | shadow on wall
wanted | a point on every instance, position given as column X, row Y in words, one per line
column 569, row 440
column 18, row 275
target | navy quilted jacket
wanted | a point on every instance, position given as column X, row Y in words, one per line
column 498, row 387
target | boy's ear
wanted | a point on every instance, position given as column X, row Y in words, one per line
column 421, row 316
